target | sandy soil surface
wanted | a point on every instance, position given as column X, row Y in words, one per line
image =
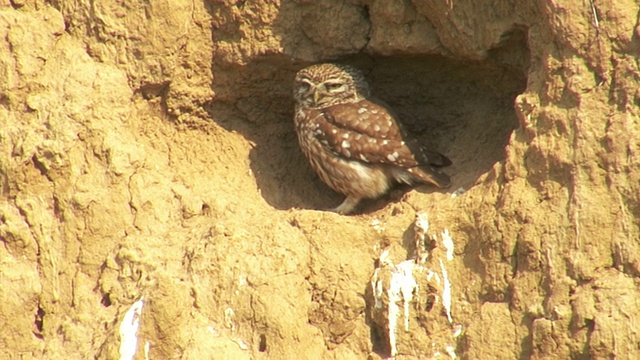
column 154, row 202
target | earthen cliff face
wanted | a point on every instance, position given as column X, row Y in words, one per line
column 148, row 159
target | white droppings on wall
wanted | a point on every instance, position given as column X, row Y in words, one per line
column 433, row 275
column 376, row 288
column 422, row 224
column 377, row 225
column 457, row 330
column 459, row 191
column 397, row 281
column 129, row 330
column 447, row 241
column 451, row 350
column 446, row 291
column 241, row 344
column 147, row 348
column 401, row 288
column 229, row 316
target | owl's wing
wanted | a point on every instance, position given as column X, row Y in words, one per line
column 368, row 132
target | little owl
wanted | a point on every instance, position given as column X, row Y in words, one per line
column 354, row 144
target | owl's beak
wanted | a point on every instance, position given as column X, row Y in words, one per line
column 316, row 97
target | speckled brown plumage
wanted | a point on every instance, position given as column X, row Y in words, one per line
column 354, row 144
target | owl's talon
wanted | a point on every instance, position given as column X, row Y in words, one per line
column 348, row 205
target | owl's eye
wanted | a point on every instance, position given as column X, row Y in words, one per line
column 333, row 86
column 304, row 86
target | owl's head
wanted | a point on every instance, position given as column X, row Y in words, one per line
column 323, row 85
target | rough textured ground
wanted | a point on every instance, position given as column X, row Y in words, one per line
column 147, row 153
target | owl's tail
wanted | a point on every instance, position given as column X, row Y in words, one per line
column 428, row 175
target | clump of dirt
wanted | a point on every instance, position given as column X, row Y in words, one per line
column 155, row 202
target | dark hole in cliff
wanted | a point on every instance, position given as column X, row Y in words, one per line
column 262, row 346
column 39, row 323
column 463, row 108
column 106, row 300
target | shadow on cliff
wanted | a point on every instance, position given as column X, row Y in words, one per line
column 464, row 109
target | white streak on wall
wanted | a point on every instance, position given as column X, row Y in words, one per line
column 147, row 347
column 447, row 241
column 422, row 223
column 376, row 288
column 446, row 292
column 401, row 288
column 376, row 283
column 451, row 351
column 384, row 258
column 243, row 345
column 457, row 330
column 229, row 316
column 459, row 191
column 377, row 225
column 421, row 226
column 129, row 331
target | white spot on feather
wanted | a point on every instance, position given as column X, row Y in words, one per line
column 393, row 156
column 334, row 131
column 346, row 144
column 362, row 110
column 376, row 127
column 345, row 135
column 385, row 142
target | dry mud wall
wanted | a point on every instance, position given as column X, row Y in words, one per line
column 150, row 178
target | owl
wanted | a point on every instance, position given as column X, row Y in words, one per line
column 354, row 143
